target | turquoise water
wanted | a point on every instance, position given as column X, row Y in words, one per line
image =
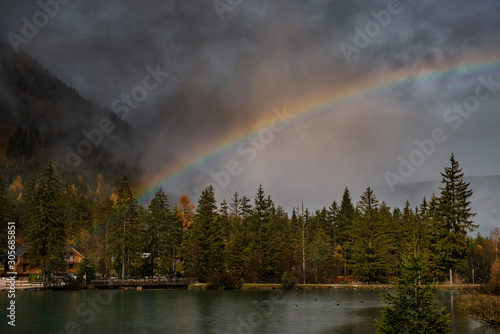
column 207, row 312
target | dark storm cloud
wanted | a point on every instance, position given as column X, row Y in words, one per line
column 267, row 54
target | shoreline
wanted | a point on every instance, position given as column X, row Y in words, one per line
column 276, row 286
column 249, row 287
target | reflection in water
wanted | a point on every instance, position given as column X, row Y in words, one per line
column 206, row 312
column 459, row 322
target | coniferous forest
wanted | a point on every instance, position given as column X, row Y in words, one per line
column 252, row 239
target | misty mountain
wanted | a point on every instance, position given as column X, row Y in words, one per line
column 78, row 136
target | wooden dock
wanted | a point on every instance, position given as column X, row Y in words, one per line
column 151, row 283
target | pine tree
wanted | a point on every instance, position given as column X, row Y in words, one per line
column 262, row 253
column 261, row 205
column 300, row 229
column 435, row 233
column 344, row 218
column 164, row 234
column 411, row 307
column 386, row 244
column 455, row 218
column 245, row 207
column 253, row 256
column 225, row 220
column 123, row 230
column 319, row 253
column 86, row 270
column 273, row 232
column 409, row 229
column 284, row 237
column 47, row 232
column 425, row 225
column 236, row 239
column 343, row 226
column 205, row 247
column 234, row 253
column 235, row 205
column 319, row 220
column 331, row 230
column 371, row 245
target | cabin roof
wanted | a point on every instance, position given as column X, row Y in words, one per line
column 20, row 250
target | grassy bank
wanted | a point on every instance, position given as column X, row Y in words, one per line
column 262, row 286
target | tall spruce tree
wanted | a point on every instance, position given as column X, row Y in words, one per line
column 386, row 244
column 225, row 220
column 343, row 226
column 245, row 207
column 423, row 216
column 262, row 255
column 455, row 218
column 47, row 232
column 253, row 257
column 411, row 307
column 205, row 247
column 409, row 229
column 123, row 230
column 331, row 229
column 235, row 205
column 164, row 235
column 237, row 240
column 371, row 245
column 234, row 261
column 319, row 253
column 435, row 233
column 344, row 218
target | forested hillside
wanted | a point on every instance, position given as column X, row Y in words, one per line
column 255, row 240
column 42, row 120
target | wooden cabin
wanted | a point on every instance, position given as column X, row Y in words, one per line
column 73, row 259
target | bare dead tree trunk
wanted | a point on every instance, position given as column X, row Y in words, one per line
column 303, row 246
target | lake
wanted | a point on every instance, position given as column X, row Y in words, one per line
column 207, row 312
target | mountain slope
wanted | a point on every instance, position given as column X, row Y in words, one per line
column 80, row 138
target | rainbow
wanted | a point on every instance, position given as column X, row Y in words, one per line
column 317, row 106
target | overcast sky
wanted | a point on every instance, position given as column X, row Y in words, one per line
column 231, row 63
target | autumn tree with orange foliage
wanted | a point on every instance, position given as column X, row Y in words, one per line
column 185, row 211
